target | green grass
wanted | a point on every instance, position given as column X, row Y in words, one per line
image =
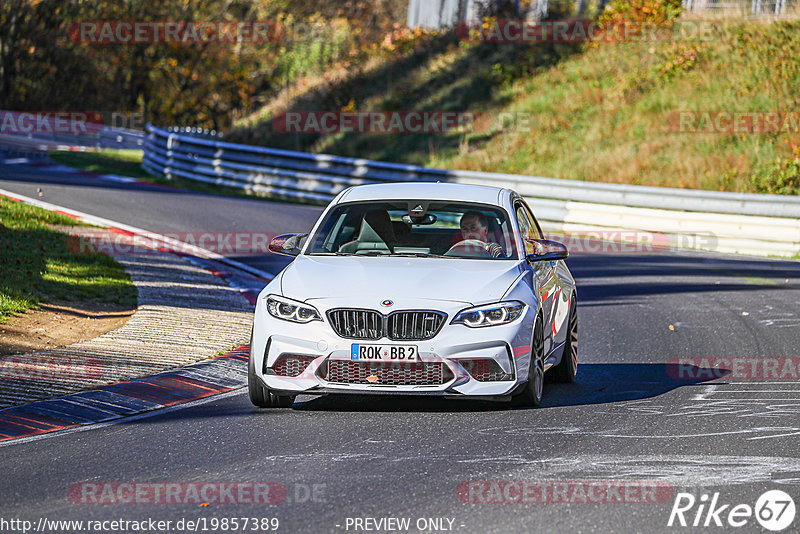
column 39, row 266
column 119, row 162
column 597, row 113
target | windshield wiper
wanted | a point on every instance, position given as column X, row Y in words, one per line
column 372, row 253
column 331, row 254
column 415, row 255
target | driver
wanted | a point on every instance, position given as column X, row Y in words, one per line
column 475, row 226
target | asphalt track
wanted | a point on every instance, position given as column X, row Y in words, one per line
column 628, row 418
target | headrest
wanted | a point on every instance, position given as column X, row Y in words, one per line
column 377, row 227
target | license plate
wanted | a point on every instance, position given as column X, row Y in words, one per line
column 384, row 353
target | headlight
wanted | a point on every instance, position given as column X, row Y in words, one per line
column 490, row 314
column 290, row 310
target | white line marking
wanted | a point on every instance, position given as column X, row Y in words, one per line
column 775, row 436
column 677, row 436
column 795, row 391
column 115, row 178
column 707, row 390
column 761, row 399
column 765, row 383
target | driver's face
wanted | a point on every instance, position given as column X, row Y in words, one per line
column 471, row 228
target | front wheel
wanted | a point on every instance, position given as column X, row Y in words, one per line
column 264, row 397
column 532, row 394
column 567, row 368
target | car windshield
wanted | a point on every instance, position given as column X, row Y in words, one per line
column 446, row 229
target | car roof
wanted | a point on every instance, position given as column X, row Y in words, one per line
column 426, row 191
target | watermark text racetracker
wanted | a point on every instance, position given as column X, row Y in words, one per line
column 51, row 368
column 613, row 241
column 564, row 492
column 197, row 493
column 107, row 241
column 578, row 31
column 147, row 524
column 577, row 240
column 177, row 493
column 191, row 32
column 73, row 122
column 326, row 122
column 729, row 121
column 744, row 368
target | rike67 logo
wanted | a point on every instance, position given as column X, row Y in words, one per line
column 774, row 510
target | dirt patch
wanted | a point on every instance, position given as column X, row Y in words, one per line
column 55, row 325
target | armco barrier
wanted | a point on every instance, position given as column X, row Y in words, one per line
column 725, row 222
column 43, row 133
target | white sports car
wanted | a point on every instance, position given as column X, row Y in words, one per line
column 417, row 288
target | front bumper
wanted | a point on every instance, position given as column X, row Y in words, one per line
column 454, row 347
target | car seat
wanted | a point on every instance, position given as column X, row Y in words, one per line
column 376, row 233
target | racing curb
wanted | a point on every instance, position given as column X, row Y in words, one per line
column 124, row 399
column 171, row 387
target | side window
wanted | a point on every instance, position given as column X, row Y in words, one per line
column 526, row 228
column 538, row 229
column 330, row 240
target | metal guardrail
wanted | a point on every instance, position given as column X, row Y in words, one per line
column 749, row 8
column 13, row 144
column 729, row 222
column 41, row 133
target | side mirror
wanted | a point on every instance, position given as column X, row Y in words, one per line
column 288, row 244
column 546, row 250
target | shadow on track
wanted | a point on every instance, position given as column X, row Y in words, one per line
column 695, row 273
column 596, row 384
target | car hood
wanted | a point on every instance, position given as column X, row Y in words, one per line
column 450, row 279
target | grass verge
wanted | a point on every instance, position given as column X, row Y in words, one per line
column 119, row 162
column 39, row 266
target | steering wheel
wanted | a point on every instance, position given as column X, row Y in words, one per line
column 469, row 247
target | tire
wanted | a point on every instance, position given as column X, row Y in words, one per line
column 264, row 397
column 532, row 394
column 567, row 369
column 259, row 395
